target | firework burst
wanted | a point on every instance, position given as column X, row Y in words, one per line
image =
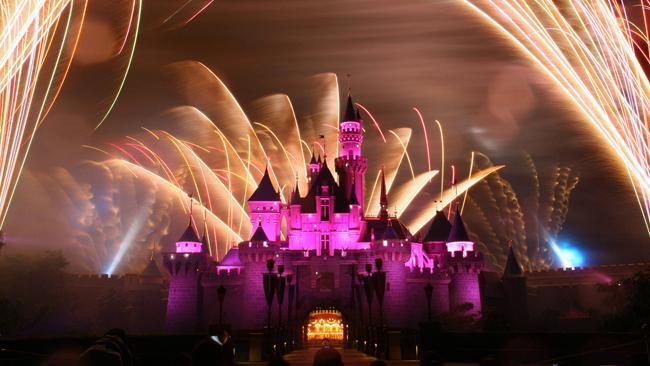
column 500, row 217
column 218, row 151
column 37, row 42
column 589, row 49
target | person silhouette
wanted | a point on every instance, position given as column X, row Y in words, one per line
column 327, row 356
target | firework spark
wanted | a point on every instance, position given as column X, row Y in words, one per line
column 500, row 217
column 217, row 150
column 588, row 49
column 29, row 31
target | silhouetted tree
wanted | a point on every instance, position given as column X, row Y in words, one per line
column 32, row 290
column 460, row 318
column 629, row 300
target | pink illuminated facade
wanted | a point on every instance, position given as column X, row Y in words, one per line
column 327, row 243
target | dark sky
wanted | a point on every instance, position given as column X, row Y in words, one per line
column 435, row 55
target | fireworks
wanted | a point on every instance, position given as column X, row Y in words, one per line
column 218, row 151
column 587, row 47
column 530, row 221
column 33, row 65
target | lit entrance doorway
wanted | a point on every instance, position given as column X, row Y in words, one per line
column 325, row 324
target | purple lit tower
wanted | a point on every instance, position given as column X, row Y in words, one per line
column 186, row 267
column 328, row 243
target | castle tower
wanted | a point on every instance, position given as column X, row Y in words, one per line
column 185, row 298
column 294, row 209
column 264, row 207
column 458, row 240
column 436, row 237
column 314, row 166
column 515, row 293
column 351, row 166
column 465, row 265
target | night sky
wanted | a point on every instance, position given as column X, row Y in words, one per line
column 434, row 55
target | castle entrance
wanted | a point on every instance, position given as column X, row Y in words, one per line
column 325, row 324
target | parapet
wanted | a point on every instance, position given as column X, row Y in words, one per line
column 575, row 276
column 185, row 263
column 427, row 274
column 471, row 261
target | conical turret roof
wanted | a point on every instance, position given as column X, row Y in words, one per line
column 204, row 242
column 383, row 196
column 389, row 233
column 512, row 265
column 265, row 190
column 259, row 234
column 295, row 196
column 439, row 229
column 458, row 232
column 151, row 269
column 189, row 235
column 350, row 113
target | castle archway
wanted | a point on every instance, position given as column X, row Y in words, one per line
column 325, row 324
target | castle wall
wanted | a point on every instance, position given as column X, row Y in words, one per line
column 182, row 304
column 464, row 288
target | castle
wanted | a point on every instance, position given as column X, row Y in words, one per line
column 328, row 246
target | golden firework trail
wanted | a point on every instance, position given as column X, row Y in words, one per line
column 34, row 37
column 206, row 158
column 587, row 47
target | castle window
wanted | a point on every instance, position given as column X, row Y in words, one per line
column 324, row 244
column 325, row 209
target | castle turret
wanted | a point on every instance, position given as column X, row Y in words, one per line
column 458, row 240
column 351, row 166
column 515, row 293
column 435, row 238
column 294, row 209
column 314, row 166
column 189, row 242
column 186, row 267
column 264, row 207
column 465, row 265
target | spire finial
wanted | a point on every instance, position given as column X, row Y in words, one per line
column 191, row 207
column 153, row 251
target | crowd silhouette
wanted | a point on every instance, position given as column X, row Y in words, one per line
column 112, row 349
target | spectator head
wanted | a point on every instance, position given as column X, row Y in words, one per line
column 327, row 357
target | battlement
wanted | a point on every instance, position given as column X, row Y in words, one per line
column 471, row 261
column 574, row 276
column 257, row 252
column 97, row 279
column 223, row 276
column 427, row 274
column 185, row 263
column 628, row 268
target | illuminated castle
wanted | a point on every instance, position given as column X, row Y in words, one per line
column 329, row 242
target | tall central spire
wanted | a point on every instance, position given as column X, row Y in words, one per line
column 383, row 198
column 350, row 113
column 351, row 165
